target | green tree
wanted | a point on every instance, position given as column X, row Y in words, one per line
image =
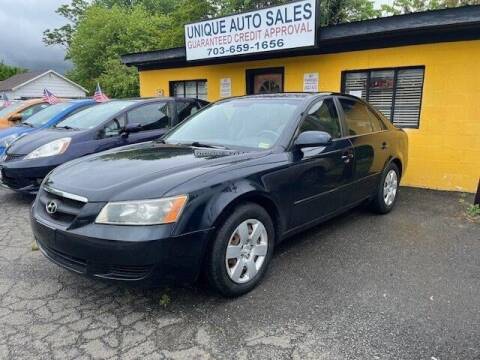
column 7, row 71
column 104, row 34
column 118, row 80
column 409, row 6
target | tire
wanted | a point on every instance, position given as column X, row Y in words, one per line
column 387, row 193
column 241, row 269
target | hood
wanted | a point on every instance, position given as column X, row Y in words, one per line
column 142, row 171
column 30, row 142
column 16, row 130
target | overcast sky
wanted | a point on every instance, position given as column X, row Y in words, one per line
column 22, row 23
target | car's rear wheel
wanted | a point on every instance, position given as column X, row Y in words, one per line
column 241, row 251
column 386, row 195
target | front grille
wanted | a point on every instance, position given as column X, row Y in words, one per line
column 66, row 210
column 106, row 271
column 129, row 272
column 13, row 157
column 17, row 183
column 65, row 260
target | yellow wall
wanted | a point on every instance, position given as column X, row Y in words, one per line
column 444, row 153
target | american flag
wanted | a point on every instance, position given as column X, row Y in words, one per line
column 99, row 96
column 6, row 102
column 50, row 98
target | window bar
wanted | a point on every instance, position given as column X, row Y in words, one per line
column 367, row 90
column 395, row 79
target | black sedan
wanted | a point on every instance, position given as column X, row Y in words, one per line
column 219, row 191
column 109, row 125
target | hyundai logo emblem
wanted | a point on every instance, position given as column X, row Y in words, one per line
column 51, row 207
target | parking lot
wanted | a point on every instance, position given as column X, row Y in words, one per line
column 401, row 286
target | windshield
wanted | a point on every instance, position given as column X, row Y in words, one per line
column 12, row 108
column 253, row 123
column 43, row 116
column 94, row 116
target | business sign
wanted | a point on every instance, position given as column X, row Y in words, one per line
column 276, row 28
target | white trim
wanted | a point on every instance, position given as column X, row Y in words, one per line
column 50, row 72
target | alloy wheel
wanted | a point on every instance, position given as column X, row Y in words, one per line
column 246, row 251
column 390, row 187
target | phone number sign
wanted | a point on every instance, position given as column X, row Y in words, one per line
column 277, row 28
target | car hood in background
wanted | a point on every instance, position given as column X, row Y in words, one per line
column 30, row 142
column 16, row 130
column 142, row 171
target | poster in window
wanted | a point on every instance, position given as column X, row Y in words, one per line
column 310, row 82
column 225, row 87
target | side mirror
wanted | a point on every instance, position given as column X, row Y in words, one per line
column 312, row 139
column 15, row 117
column 131, row 128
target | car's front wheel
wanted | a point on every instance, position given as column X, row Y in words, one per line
column 386, row 195
column 241, row 251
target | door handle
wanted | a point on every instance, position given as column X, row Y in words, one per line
column 384, row 145
column 346, row 157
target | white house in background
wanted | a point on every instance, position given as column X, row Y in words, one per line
column 31, row 85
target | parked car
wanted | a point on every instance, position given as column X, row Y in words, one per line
column 219, row 191
column 19, row 111
column 112, row 124
column 44, row 119
column 11, row 102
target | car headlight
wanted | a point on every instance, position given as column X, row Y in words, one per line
column 8, row 140
column 144, row 212
column 55, row 147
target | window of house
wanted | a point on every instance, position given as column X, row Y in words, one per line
column 192, row 89
column 322, row 116
column 397, row 93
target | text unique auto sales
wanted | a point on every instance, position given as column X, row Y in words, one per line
column 291, row 25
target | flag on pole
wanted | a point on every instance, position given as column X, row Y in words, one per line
column 99, row 96
column 50, row 98
column 5, row 100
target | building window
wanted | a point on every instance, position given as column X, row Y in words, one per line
column 397, row 93
column 191, row 89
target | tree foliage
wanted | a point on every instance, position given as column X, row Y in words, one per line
column 7, row 71
column 409, row 6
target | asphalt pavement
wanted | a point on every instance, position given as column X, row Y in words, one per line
column 361, row 286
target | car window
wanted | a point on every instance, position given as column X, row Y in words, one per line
column 151, row 116
column 185, row 109
column 96, row 115
column 115, row 127
column 11, row 108
column 42, row 117
column 360, row 120
column 33, row 110
column 322, row 116
column 253, row 123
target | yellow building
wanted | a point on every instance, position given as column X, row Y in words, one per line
column 421, row 70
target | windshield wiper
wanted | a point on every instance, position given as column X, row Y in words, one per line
column 66, row 127
column 27, row 124
column 210, row 146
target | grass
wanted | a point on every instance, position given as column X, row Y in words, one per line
column 473, row 211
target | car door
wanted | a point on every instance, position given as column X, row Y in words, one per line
column 320, row 173
column 369, row 139
column 110, row 135
column 154, row 118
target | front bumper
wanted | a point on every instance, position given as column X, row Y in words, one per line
column 21, row 176
column 147, row 257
